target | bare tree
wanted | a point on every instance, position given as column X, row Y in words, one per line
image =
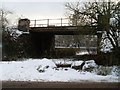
column 78, row 19
column 3, row 17
column 99, row 14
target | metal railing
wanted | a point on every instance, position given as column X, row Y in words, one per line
column 50, row 22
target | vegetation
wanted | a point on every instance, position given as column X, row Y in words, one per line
column 103, row 15
column 14, row 47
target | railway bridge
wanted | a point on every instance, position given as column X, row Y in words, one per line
column 43, row 31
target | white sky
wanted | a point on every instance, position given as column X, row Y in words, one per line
column 36, row 9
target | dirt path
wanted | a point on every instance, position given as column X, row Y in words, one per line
column 21, row 84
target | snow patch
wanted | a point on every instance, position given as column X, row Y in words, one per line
column 76, row 63
column 90, row 64
column 27, row 71
column 47, row 64
column 82, row 53
column 115, row 71
column 15, row 33
column 18, row 32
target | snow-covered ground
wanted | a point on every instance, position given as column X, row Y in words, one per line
column 45, row 70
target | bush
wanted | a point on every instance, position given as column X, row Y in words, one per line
column 109, row 58
column 89, row 66
column 116, row 71
column 102, row 70
column 15, row 47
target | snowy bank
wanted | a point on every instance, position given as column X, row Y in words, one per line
column 29, row 70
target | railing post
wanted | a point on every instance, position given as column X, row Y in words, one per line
column 47, row 22
column 35, row 24
column 61, row 21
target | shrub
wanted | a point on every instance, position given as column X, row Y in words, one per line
column 103, row 70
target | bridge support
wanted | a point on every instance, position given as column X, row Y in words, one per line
column 44, row 43
column 99, row 37
column 23, row 25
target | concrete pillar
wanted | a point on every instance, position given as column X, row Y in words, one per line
column 99, row 37
column 23, row 25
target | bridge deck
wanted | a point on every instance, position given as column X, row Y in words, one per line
column 65, row 30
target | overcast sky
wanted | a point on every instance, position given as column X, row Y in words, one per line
column 36, row 9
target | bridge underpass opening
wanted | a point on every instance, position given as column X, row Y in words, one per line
column 44, row 43
column 79, row 44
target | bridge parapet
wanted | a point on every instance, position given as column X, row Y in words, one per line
column 50, row 22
